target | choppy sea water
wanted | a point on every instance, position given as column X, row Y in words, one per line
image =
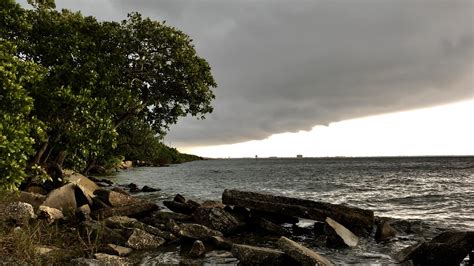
column 436, row 190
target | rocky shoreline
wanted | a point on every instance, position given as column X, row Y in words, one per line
column 246, row 228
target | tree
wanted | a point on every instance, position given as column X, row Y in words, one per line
column 18, row 129
column 101, row 75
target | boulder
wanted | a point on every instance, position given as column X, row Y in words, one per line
column 140, row 239
column 161, row 217
column 32, row 198
column 212, row 204
column 197, row 250
column 193, row 204
column 448, row 248
column 118, row 250
column 63, row 198
column 271, row 228
column 107, row 259
column 126, row 222
column 356, row 219
column 139, row 209
column 347, row 236
column 179, row 198
column 384, row 231
column 221, row 243
column 172, row 226
column 198, row 232
column 133, row 188
column 19, row 212
column 87, row 185
column 250, row 255
column 115, row 199
column 302, row 254
column 149, row 189
column 273, row 217
column 216, row 218
column 49, row 214
column 178, row 207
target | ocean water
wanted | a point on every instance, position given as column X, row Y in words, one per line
column 436, row 190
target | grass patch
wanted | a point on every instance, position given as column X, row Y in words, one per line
column 19, row 246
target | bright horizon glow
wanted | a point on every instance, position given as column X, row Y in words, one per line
column 440, row 130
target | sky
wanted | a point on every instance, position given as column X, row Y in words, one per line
column 314, row 68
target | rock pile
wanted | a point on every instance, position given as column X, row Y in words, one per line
column 124, row 224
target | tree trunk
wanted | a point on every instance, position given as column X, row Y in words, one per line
column 40, row 152
column 60, row 158
column 45, row 158
column 353, row 218
column 89, row 166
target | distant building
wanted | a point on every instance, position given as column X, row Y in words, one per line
column 299, row 156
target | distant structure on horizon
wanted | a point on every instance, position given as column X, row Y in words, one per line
column 299, row 156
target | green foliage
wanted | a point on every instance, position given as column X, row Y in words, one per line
column 17, row 127
column 102, row 84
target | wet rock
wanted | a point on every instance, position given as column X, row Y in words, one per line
column 221, row 243
column 250, row 255
column 198, row 232
column 133, row 188
column 354, row 218
column 140, row 209
column 121, row 191
column 299, row 231
column 110, row 259
column 140, row 239
column 149, row 189
column 115, row 199
column 50, row 214
column 19, row 212
column 384, row 231
column 347, row 236
column 216, row 218
column 197, row 250
column 212, row 204
column 179, row 198
column 302, row 254
column 178, row 207
column 448, row 248
column 193, row 204
column 118, row 250
column 318, row 228
column 271, row 228
column 107, row 181
column 274, row 218
column 172, row 226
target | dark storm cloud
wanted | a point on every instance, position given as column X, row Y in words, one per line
column 289, row 65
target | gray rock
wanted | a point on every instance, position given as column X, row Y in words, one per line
column 271, row 228
column 19, row 212
column 212, row 204
column 198, row 232
column 140, row 209
column 384, row 231
column 119, row 250
column 178, row 207
column 347, row 236
column 49, row 214
column 221, row 243
column 126, row 222
column 302, row 254
column 110, row 259
column 140, row 239
column 250, row 255
column 32, row 198
column 179, row 198
column 197, row 250
column 115, row 199
column 216, row 218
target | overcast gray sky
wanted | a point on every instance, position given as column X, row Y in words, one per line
column 284, row 66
